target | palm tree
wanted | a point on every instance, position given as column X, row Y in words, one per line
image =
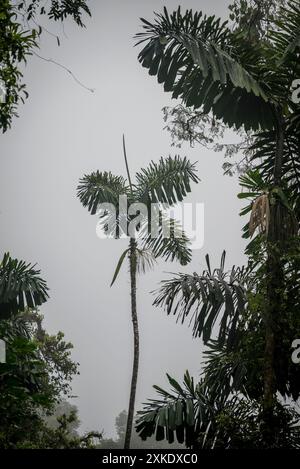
column 165, row 183
column 244, row 83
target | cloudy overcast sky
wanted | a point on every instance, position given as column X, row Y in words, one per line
column 64, row 132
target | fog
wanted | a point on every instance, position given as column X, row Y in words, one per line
column 65, row 131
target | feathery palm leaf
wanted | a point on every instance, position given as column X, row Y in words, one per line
column 195, row 416
column 201, row 420
column 192, row 55
column 181, row 412
column 166, row 182
column 202, row 299
column 98, row 188
column 20, row 287
column 170, row 242
column 145, row 260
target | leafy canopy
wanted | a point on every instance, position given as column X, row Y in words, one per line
column 164, row 183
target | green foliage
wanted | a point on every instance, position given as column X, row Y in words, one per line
column 208, row 66
column 19, row 34
column 193, row 126
column 193, row 56
column 164, row 183
column 199, row 418
column 64, row 408
column 15, row 45
column 59, row 431
column 58, row 10
column 38, row 368
column 137, row 442
column 98, row 188
column 173, row 247
column 202, row 299
column 62, row 433
column 248, row 321
column 253, row 19
column 37, row 372
column 20, row 287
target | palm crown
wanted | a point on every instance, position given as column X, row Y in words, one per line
column 164, row 183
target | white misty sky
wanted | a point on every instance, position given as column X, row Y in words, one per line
column 64, row 132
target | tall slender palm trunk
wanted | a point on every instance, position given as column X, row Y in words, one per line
column 135, row 368
column 274, row 294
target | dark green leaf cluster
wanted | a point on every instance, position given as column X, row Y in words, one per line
column 163, row 184
column 20, row 287
column 19, row 33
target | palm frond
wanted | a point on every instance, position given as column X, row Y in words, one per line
column 225, row 372
column 145, row 260
column 201, row 420
column 286, row 36
column 165, row 182
column 20, row 287
column 198, row 418
column 193, row 56
column 202, row 298
column 101, row 187
column 183, row 412
column 119, row 265
column 170, row 242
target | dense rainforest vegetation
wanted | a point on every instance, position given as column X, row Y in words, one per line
column 242, row 75
column 37, row 369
